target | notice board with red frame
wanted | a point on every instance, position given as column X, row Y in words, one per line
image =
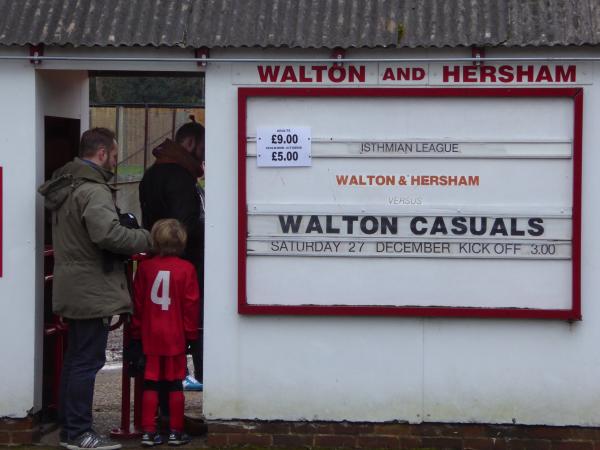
column 447, row 202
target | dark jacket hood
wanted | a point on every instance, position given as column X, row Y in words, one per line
column 67, row 178
column 171, row 152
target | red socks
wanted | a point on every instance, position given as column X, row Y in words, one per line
column 149, row 406
column 176, row 405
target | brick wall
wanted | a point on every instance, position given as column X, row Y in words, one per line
column 401, row 436
column 19, row 431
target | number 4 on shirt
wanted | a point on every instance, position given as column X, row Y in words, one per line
column 162, row 279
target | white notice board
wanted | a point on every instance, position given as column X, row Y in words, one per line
column 421, row 202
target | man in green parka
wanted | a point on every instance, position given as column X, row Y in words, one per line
column 89, row 284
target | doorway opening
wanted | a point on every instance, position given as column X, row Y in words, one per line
column 143, row 109
column 61, row 141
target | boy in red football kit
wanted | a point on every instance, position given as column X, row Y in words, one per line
column 166, row 311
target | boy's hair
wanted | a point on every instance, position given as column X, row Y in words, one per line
column 168, row 237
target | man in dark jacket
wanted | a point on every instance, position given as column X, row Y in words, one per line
column 89, row 285
column 169, row 189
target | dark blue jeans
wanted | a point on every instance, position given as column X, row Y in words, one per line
column 85, row 356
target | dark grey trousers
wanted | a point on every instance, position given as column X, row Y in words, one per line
column 85, row 356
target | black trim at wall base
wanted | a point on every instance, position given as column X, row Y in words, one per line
column 438, row 436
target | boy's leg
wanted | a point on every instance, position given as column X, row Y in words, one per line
column 177, row 400
column 176, row 406
column 175, row 372
column 149, row 405
column 152, row 374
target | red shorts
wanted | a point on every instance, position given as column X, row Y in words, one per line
column 169, row 368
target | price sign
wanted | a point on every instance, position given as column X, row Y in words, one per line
column 283, row 147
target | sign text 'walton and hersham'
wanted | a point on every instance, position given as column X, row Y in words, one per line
column 442, row 74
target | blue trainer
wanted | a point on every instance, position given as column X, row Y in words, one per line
column 191, row 384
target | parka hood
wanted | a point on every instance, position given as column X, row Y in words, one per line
column 64, row 181
column 171, row 152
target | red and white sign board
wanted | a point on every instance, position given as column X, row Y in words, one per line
column 414, row 74
column 418, row 202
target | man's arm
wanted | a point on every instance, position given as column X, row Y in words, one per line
column 103, row 226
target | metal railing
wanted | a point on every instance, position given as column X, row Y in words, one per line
column 125, row 431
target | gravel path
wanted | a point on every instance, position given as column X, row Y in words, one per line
column 114, row 348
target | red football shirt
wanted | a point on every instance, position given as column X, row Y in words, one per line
column 166, row 305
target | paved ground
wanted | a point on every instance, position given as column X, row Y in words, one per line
column 107, row 400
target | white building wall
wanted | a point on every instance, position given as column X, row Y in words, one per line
column 28, row 95
column 315, row 368
column 376, row 368
column 18, row 282
column 64, row 93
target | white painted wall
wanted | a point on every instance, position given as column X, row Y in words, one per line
column 28, row 95
column 375, row 369
column 18, row 282
column 64, row 93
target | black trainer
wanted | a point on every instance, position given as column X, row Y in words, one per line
column 151, row 439
column 89, row 439
column 178, row 438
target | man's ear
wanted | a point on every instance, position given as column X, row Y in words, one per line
column 102, row 152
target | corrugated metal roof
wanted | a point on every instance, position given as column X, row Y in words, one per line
column 300, row 23
column 554, row 22
column 94, row 22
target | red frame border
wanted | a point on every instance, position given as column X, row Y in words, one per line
column 378, row 310
column 1, row 223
